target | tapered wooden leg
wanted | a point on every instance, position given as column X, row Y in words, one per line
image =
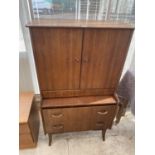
column 50, row 139
column 103, row 134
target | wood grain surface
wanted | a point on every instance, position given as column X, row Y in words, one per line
column 78, row 101
column 25, row 103
column 104, row 53
column 58, row 57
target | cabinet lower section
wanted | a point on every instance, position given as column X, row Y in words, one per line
column 81, row 118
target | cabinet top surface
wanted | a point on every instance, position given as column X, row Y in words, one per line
column 25, row 102
column 78, row 101
column 78, row 24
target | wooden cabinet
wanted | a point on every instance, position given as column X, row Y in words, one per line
column 28, row 121
column 79, row 64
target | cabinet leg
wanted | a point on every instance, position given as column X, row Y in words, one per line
column 50, row 139
column 103, row 134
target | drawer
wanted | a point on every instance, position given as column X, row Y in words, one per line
column 53, row 116
column 101, row 112
column 102, row 116
column 104, row 111
column 53, row 120
column 67, row 119
column 77, row 118
column 57, row 128
column 24, row 128
column 25, row 140
column 99, row 125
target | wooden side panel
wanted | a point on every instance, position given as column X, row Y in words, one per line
column 34, row 122
column 57, row 53
column 104, row 53
column 26, row 141
column 24, row 128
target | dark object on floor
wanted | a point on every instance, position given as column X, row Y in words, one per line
column 122, row 106
column 126, row 94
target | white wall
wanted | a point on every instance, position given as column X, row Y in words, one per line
column 25, row 78
column 25, row 17
column 129, row 63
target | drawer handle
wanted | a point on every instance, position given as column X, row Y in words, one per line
column 57, row 115
column 102, row 112
column 58, row 126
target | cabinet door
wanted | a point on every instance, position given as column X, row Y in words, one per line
column 57, row 53
column 104, row 53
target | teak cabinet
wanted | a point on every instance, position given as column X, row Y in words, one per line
column 28, row 121
column 77, row 59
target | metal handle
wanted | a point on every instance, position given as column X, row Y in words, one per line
column 102, row 112
column 57, row 115
column 58, row 126
column 77, row 60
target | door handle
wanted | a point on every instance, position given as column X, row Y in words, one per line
column 58, row 126
column 85, row 60
column 77, row 60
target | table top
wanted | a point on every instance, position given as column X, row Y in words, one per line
column 25, row 103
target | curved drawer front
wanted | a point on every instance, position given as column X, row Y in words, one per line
column 103, row 116
column 78, row 118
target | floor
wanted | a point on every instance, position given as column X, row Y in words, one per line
column 119, row 141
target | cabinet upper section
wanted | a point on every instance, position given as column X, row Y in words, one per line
column 78, row 24
column 78, row 58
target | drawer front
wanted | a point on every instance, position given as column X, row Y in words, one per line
column 54, row 120
column 102, row 116
column 67, row 119
column 24, row 128
column 77, row 118
column 57, row 128
column 25, row 141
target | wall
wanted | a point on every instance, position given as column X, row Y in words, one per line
column 25, row 78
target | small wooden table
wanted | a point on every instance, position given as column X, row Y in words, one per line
column 28, row 121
